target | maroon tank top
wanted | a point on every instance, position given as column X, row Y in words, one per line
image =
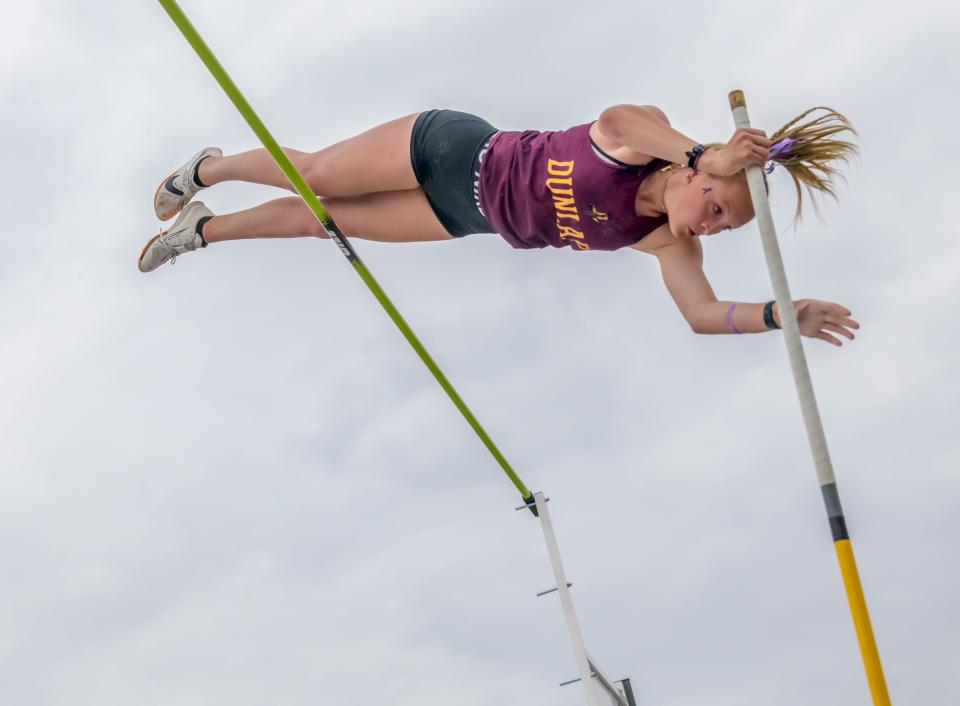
column 556, row 188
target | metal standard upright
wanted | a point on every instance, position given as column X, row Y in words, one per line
column 811, row 418
column 588, row 669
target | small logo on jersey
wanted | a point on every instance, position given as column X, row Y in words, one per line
column 598, row 216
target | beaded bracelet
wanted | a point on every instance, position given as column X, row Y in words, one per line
column 693, row 156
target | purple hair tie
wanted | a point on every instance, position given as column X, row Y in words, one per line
column 730, row 318
column 778, row 149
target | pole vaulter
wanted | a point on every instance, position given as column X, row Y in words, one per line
column 536, row 504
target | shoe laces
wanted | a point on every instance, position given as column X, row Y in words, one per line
column 174, row 258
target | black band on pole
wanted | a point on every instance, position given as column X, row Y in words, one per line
column 838, row 527
column 831, row 499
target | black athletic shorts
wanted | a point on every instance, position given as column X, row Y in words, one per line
column 446, row 149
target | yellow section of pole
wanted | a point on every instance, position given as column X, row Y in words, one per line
column 861, row 623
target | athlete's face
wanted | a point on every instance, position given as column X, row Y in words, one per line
column 702, row 204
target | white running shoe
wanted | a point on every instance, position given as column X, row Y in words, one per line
column 177, row 189
column 182, row 237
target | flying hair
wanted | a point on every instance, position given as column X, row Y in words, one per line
column 812, row 153
column 812, row 161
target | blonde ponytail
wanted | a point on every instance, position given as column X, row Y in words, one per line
column 811, row 159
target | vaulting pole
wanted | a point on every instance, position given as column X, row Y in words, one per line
column 811, row 418
column 310, row 198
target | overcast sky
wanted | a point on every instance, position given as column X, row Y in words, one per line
column 231, row 481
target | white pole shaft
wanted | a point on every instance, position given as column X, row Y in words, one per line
column 788, row 319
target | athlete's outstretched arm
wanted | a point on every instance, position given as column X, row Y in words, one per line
column 646, row 129
column 681, row 265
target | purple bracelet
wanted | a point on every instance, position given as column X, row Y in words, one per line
column 733, row 326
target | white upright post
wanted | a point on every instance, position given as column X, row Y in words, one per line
column 569, row 614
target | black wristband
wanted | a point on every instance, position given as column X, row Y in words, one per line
column 693, row 156
column 768, row 315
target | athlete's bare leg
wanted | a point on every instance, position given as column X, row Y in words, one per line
column 388, row 216
column 376, row 160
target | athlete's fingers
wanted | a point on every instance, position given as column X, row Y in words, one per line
column 838, row 329
column 755, row 153
column 828, row 338
column 837, row 309
column 838, row 314
column 754, row 143
column 843, row 321
column 761, row 143
column 744, row 136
